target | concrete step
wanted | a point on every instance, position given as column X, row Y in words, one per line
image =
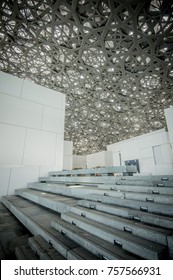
column 37, row 220
column 52, row 201
column 137, row 188
column 165, row 199
column 137, row 245
column 81, row 254
column 147, row 178
column 75, row 191
column 25, row 253
column 156, row 208
column 95, row 171
column 43, row 249
column 155, row 234
column 146, row 183
column 125, row 212
column 84, row 191
column 103, row 249
column 147, row 206
column 57, row 203
column 158, row 198
column 103, row 179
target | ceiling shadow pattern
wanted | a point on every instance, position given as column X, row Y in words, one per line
column 112, row 59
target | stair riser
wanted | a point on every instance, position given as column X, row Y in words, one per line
column 129, row 213
column 90, row 246
column 35, row 229
column 132, row 247
column 151, row 207
column 85, row 193
column 56, row 206
column 35, row 249
column 132, row 188
column 124, row 225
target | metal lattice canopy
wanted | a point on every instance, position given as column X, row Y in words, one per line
column 112, row 59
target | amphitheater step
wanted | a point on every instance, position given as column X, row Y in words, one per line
column 84, row 191
column 25, row 253
column 139, row 216
column 70, row 190
column 163, row 178
column 157, row 208
column 106, row 179
column 43, row 249
column 136, row 228
column 38, row 220
column 137, row 245
column 137, row 188
column 164, row 199
column 81, row 254
column 158, row 198
column 103, row 249
column 57, row 203
column 142, row 183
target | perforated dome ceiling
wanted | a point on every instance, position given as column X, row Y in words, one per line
column 112, row 59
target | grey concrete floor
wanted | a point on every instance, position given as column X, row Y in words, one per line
column 12, row 234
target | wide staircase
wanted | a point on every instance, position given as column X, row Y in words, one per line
column 96, row 214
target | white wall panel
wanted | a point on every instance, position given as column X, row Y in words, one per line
column 165, row 137
column 20, row 112
column 45, row 169
column 115, row 148
column 147, row 165
column 21, row 175
column 141, row 148
column 10, row 84
column 31, row 130
column 63, row 99
column 68, row 155
column 4, row 180
column 39, row 147
column 146, row 152
column 68, row 148
column 41, row 95
column 58, row 162
column 68, row 163
column 169, row 121
column 79, row 161
column 11, row 144
column 151, row 139
column 164, row 169
column 108, row 158
column 53, row 120
column 167, row 154
column 98, row 159
column 116, row 159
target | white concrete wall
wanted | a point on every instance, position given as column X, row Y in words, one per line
column 68, row 155
column 100, row 159
column 32, row 132
column 143, row 148
column 79, row 161
column 169, row 121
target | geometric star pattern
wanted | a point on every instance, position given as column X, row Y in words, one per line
column 112, row 59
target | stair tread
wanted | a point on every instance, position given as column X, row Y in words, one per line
column 36, row 213
column 118, row 252
column 122, row 208
column 122, row 220
column 155, row 207
column 122, row 235
column 44, row 249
